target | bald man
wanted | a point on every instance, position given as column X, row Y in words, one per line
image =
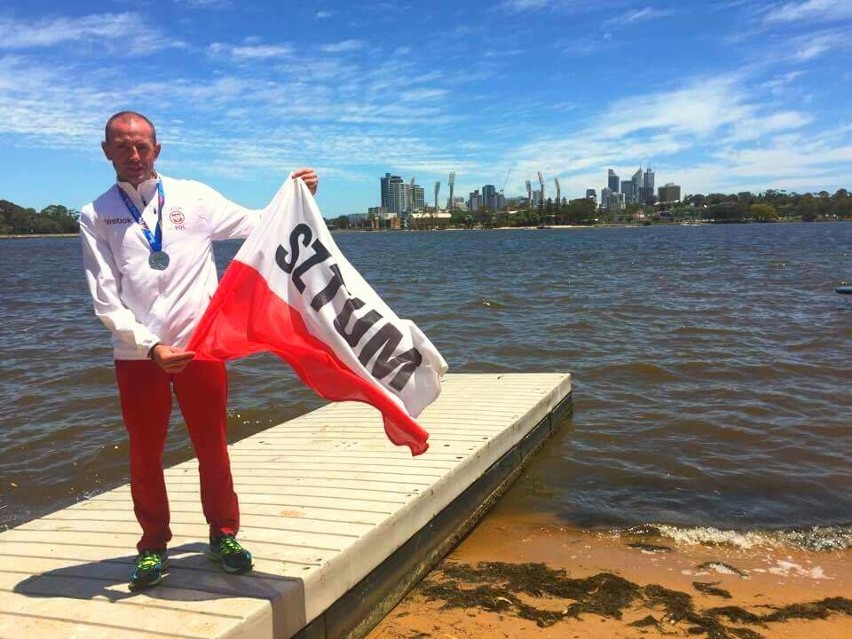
column 148, row 257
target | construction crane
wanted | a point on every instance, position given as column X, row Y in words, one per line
column 558, row 192
column 506, row 181
column 529, row 194
column 452, row 182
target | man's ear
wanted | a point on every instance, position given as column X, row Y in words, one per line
column 106, row 152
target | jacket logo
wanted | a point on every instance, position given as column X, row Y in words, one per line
column 118, row 220
column 177, row 217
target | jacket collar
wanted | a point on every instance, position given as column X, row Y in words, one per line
column 144, row 193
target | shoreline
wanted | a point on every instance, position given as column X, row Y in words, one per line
column 25, row 236
column 518, row 577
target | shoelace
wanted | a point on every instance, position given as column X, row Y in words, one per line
column 148, row 561
column 228, row 545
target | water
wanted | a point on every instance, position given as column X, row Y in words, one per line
column 711, row 368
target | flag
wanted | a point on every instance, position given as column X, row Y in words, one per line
column 290, row 291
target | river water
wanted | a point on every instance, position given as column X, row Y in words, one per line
column 711, row 368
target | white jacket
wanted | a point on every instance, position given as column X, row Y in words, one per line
column 140, row 305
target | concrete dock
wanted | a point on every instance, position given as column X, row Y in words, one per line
column 341, row 524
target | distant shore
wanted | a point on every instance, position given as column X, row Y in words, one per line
column 36, row 235
column 519, row 577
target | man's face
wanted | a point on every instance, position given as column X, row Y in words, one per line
column 131, row 149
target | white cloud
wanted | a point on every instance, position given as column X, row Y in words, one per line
column 816, row 10
column 522, row 6
column 781, row 83
column 109, row 28
column 322, row 15
column 250, row 52
column 636, row 15
column 346, row 46
column 206, row 4
column 813, row 45
column 717, row 118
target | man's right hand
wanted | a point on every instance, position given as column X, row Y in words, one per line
column 171, row 359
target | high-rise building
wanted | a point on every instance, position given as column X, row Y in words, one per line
column 419, row 198
column 636, row 181
column 475, row 202
column 592, row 194
column 646, row 192
column 669, row 193
column 612, row 181
column 393, row 193
column 614, row 201
column 415, row 197
column 628, row 190
column 489, row 197
column 605, row 193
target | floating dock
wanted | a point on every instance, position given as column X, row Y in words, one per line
column 341, row 524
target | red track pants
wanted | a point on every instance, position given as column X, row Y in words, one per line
column 146, row 404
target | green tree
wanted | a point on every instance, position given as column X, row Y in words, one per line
column 842, row 204
column 808, row 207
column 580, row 211
column 763, row 212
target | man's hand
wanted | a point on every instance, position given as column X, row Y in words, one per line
column 171, row 359
column 310, row 177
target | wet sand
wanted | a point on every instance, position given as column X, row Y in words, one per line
column 517, row 578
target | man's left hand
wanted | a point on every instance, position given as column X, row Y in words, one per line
column 310, row 178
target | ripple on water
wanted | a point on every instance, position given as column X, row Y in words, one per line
column 710, row 367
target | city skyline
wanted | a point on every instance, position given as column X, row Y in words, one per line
column 730, row 95
column 399, row 197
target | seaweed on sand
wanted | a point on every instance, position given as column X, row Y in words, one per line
column 813, row 610
column 604, row 594
column 495, row 586
column 710, row 589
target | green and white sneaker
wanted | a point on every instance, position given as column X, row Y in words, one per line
column 227, row 551
column 149, row 569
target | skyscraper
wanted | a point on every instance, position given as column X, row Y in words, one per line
column 393, row 194
column 636, row 180
column 489, row 197
column 418, row 198
column 606, row 192
column 591, row 194
column 613, row 182
column 646, row 193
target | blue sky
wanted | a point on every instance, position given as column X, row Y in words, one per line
column 722, row 95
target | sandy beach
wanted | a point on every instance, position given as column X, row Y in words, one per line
column 519, row 578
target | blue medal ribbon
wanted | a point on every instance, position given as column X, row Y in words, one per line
column 154, row 239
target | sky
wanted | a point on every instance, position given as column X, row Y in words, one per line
column 716, row 95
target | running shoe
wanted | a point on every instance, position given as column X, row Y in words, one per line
column 227, row 551
column 149, row 568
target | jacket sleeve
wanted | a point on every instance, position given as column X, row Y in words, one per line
column 227, row 219
column 104, row 282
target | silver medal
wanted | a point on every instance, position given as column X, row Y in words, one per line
column 158, row 260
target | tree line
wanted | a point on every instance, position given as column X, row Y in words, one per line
column 16, row 220
column 769, row 206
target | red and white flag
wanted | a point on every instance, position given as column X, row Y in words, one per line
column 291, row 291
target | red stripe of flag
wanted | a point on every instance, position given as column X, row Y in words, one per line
column 246, row 317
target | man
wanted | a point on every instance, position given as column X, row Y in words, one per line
column 148, row 257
